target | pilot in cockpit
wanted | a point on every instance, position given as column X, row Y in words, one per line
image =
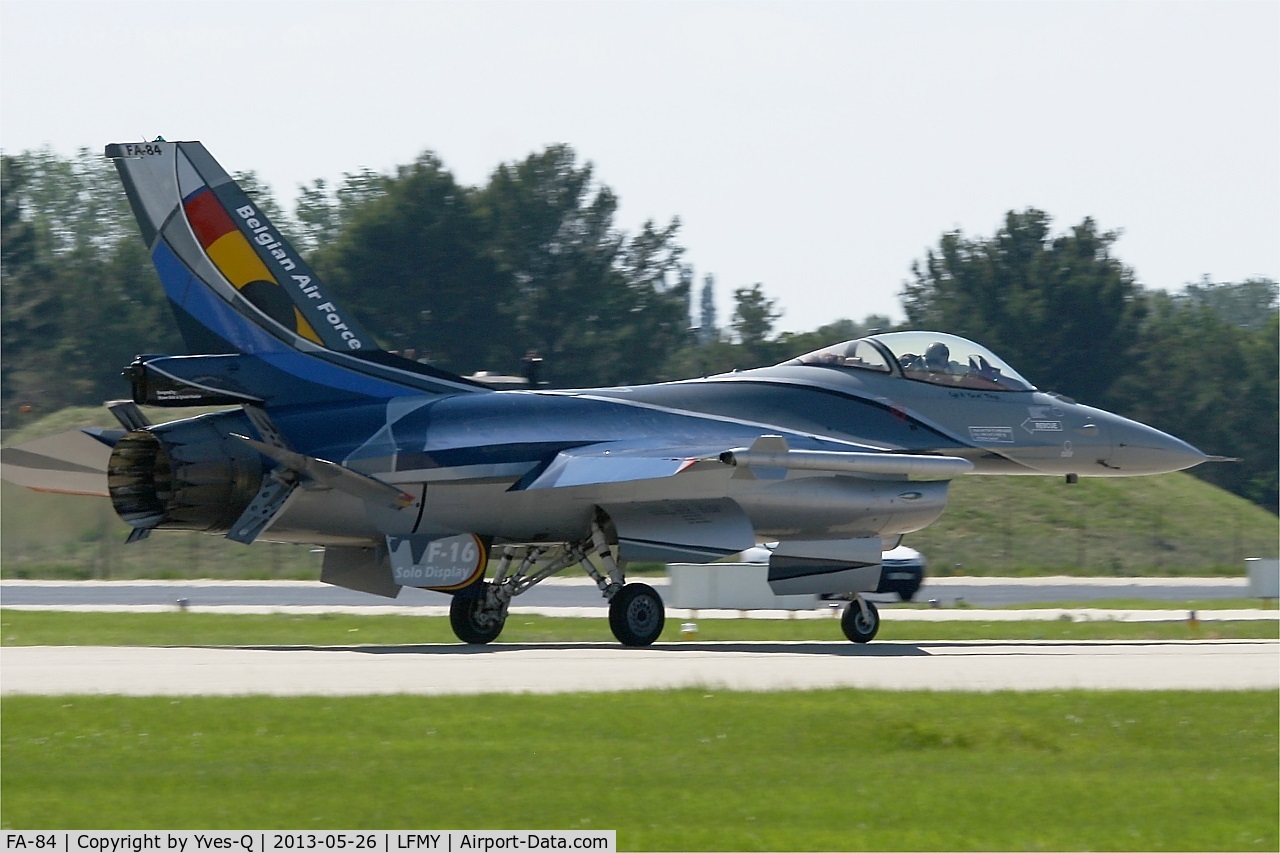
column 936, row 359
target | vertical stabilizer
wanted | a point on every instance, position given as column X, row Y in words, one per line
column 236, row 284
column 193, row 214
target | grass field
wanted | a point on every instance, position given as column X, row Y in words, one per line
column 669, row 770
column 683, row 770
column 54, row 628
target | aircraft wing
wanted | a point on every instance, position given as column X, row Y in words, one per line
column 768, row 457
column 70, row 463
column 614, row 462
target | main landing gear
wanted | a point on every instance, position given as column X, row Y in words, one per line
column 477, row 619
column 636, row 612
column 636, row 615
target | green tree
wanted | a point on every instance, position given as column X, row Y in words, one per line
column 1249, row 304
column 322, row 211
column 31, row 304
column 599, row 306
column 707, row 328
column 799, row 343
column 411, row 260
column 1256, row 418
column 754, row 315
column 1063, row 310
column 652, row 320
column 755, row 345
column 1212, row 383
column 259, row 192
column 80, row 295
column 552, row 236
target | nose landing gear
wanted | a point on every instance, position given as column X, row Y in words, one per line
column 861, row 620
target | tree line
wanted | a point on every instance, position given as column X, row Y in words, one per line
column 533, row 262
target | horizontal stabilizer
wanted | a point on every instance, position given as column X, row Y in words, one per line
column 334, row 476
column 70, row 463
column 128, row 414
column 105, row 437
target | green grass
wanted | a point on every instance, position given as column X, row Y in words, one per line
column 55, row 628
column 681, row 770
column 1172, row 524
column 1152, row 604
column 67, row 537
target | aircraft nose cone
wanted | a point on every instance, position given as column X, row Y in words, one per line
column 1139, row 449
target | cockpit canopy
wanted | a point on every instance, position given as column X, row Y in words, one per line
column 932, row 357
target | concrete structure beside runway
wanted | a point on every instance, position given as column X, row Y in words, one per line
column 959, row 599
column 580, row 592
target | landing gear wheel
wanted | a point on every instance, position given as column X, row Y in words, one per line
column 858, row 627
column 472, row 622
column 636, row 615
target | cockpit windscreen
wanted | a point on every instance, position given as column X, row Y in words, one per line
column 933, row 357
column 860, row 354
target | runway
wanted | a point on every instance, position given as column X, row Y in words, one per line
column 592, row 667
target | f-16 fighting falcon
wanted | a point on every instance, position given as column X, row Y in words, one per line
column 407, row 475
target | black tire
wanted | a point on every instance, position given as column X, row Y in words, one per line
column 857, row 627
column 908, row 593
column 636, row 615
column 468, row 626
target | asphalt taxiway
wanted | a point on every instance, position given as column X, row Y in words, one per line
column 593, row 667
column 588, row 667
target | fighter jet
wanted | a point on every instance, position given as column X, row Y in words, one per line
column 407, row 475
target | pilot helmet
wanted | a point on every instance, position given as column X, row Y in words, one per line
column 937, row 355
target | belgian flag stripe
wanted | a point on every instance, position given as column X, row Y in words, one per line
column 209, row 220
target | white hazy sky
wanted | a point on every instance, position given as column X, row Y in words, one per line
column 815, row 147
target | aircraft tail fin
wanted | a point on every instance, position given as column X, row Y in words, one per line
column 236, row 285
